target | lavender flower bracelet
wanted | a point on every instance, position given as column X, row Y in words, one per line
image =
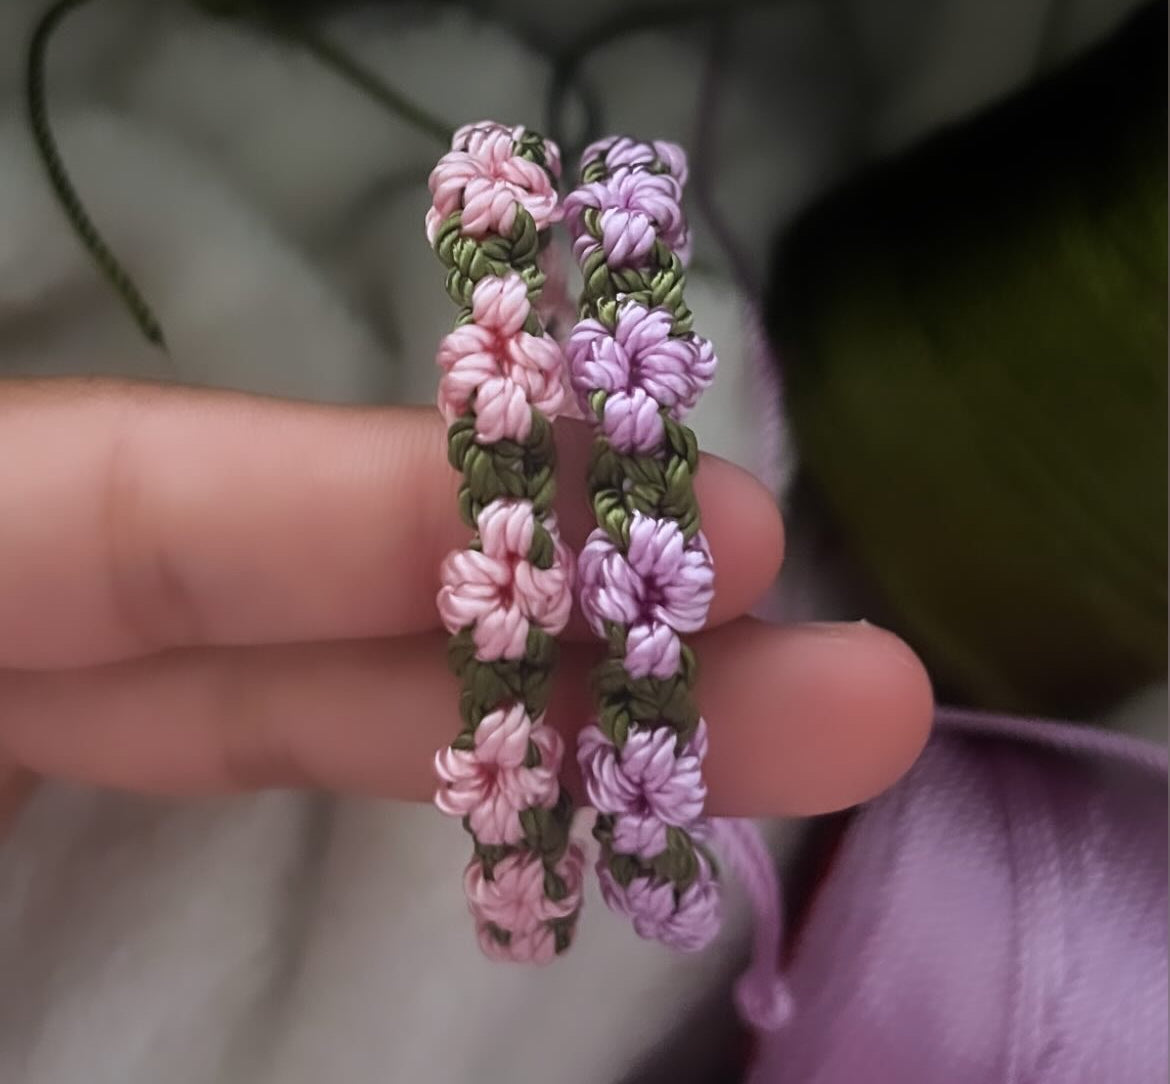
column 645, row 575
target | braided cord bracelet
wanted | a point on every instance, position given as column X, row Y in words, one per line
column 645, row 574
column 506, row 597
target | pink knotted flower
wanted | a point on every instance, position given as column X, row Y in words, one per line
column 619, row 152
column 496, row 368
column 490, row 784
column 514, row 900
column 660, row 578
column 488, row 182
column 687, row 922
column 471, row 136
column 498, row 590
column 641, row 366
column 646, row 786
column 636, row 209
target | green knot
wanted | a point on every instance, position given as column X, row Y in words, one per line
column 677, row 865
column 624, row 701
column 497, row 934
column 547, row 833
column 488, row 685
column 562, row 929
column 597, row 169
column 531, row 146
column 594, row 170
column 470, row 259
column 506, row 469
column 489, row 855
column 660, row 284
column 661, row 486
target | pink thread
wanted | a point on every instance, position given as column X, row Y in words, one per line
column 498, row 367
column 514, row 900
column 498, row 590
column 501, row 369
column 486, row 183
column 470, row 138
column 490, row 784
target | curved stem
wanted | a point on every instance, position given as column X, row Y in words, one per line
column 58, row 177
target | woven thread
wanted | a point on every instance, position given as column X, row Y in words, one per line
column 506, row 597
column 645, row 574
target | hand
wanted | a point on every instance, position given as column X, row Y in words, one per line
column 206, row 592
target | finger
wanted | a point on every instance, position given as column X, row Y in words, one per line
column 135, row 519
column 803, row 719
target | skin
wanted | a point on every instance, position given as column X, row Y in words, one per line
column 207, row 592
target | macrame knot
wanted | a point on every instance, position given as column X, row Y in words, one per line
column 499, row 588
column 525, row 144
column 607, row 155
column 686, row 920
column 488, row 183
column 492, row 366
column 660, row 486
column 634, row 208
column 647, row 785
column 469, row 261
column 512, row 910
column 514, row 763
column 640, row 353
column 661, row 577
column 506, row 468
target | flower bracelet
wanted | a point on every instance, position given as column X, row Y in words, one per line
column 508, row 595
column 645, row 574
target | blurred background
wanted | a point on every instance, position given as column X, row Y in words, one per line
column 931, row 249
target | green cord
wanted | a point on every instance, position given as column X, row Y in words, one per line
column 58, row 177
column 67, row 196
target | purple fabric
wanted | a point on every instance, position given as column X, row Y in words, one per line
column 999, row 917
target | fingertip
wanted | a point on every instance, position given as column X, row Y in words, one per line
column 894, row 712
column 809, row 719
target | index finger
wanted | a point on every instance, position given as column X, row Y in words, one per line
column 137, row 518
